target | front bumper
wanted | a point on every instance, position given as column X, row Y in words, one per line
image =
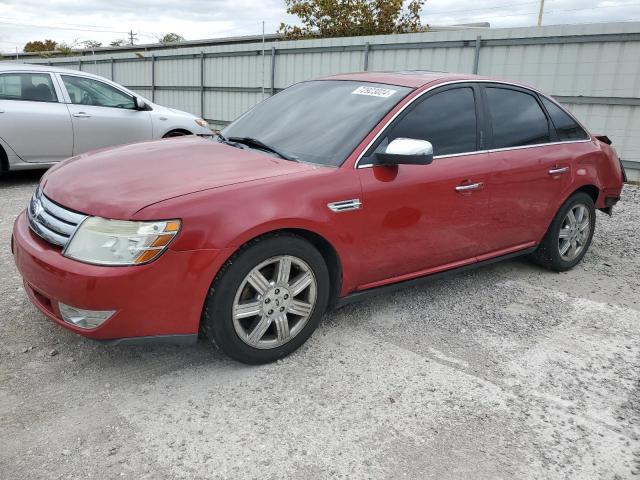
column 162, row 298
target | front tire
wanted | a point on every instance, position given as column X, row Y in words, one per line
column 267, row 299
column 569, row 235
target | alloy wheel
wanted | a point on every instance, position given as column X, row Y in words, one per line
column 574, row 232
column 274, row 302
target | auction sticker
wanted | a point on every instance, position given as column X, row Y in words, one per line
column 374, row 92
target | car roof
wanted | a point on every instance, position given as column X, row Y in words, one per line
column 406, row 78
column 11, row 66
column 38, row 67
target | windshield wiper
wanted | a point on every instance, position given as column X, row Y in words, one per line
column 254, row 142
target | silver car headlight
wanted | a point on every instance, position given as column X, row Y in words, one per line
column 118, row 242
column 201, row 122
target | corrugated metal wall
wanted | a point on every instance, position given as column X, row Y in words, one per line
column 593, row 69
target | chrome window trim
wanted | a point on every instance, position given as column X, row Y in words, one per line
column 453, row 82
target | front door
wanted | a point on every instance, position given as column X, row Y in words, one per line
column 33, row 122
column 103, row 116
column 420, row 219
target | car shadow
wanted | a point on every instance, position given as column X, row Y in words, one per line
column 24, row 177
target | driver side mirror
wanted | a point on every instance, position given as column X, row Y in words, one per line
column 140, row 105
column 405, row 151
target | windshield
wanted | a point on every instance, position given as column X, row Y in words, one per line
column 318, row 122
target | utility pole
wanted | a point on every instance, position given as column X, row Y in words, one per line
column 540, row 13
column 263, row 60
column 132, row 36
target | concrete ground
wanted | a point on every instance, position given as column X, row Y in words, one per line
column 506, row 372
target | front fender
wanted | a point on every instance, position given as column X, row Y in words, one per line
column 227, row 217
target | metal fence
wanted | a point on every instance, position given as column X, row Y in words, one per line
column 593, row 69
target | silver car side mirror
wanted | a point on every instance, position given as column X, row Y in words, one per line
column 140, row 105
column 407, row 151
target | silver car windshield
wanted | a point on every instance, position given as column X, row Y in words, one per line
column 319, row 122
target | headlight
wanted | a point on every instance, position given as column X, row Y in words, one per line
column 118, row 242
column 202, row 122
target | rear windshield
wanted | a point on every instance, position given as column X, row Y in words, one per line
column 319, row 122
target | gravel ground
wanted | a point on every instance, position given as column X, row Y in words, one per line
column 506, row 372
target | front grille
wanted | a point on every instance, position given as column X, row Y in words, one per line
column 52, row 222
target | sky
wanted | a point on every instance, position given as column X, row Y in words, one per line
column 106, row 20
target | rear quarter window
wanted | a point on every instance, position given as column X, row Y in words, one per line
column 566, row 127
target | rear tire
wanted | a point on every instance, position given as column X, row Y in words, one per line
column 267, row 299
column 569, row 235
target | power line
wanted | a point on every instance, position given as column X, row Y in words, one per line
column 511, row 5
column 101, row 27
column 617, row 5
column 47, row 27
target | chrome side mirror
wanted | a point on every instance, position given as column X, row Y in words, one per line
column 406, row 151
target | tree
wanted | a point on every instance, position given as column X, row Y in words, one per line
column 91, row 44
column 118, row 43
column 40, row 46
column 347, row 18
column 66, row 49
column 171, row 38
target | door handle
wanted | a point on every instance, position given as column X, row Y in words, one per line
column 1, row 111
column 470, row 186
column 82, row 115
column 558, row 171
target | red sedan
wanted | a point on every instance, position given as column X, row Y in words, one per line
column 327, row 191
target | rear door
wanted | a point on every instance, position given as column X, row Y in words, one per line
column 423, row 218
column 529, row 169
column 33, row 120
column 103, row 115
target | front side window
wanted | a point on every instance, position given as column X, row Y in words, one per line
column 566, row 127
column 446, row 119
column 319, row 122
column 86, row 91
column 516, row 118
column 34, row 87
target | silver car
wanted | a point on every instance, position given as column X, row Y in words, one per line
column 48, row 114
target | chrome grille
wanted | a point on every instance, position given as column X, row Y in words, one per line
column 52, row 222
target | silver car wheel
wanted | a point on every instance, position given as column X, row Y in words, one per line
column 274, row 302
column 574, row 232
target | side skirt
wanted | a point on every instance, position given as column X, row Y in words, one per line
column 364, row 294
column 178, row 339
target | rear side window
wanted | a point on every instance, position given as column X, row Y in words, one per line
column 566, row 127
column 34, row 87
column 446, row 119
column 516, row 118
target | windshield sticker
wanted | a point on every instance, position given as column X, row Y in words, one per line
column 374, row 92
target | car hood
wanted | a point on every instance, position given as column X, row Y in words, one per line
column 172, row 111
column 117, row 182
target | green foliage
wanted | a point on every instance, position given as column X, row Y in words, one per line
column 347, row 18
column 66, row 49
column 91, row 44
column 40, row 46
column 171, row 38
column 118, row 43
